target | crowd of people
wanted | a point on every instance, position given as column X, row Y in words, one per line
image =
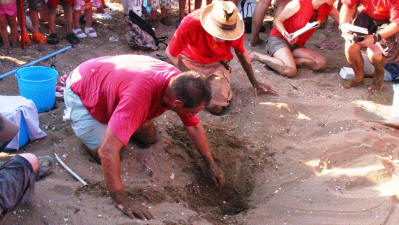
column 110, row 99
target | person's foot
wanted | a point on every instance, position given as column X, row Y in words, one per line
column 46, row 167
column 79, row 33
column 71, row 37
column 253, row 56
column 378, row 86
column 39, row 38
column 165, row 21
column 351, row 83
column 52, row 39
column 91, row 32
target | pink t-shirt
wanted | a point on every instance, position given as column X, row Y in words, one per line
column 124, row 91
column 378, row 9
column 192, row 40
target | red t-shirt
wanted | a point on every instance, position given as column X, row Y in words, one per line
column 191, row 40
column 301, row 18
column 124, row 91
column 378, row 9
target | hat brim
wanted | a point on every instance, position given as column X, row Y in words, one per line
column 214, row 30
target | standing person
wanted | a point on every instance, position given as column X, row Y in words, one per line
column 68, row 15
column 373, row 14
column 113, row 97
column 87, row 6
column 18, row 174
column 165, row 6
column 285, row 53
column 36, row 6
column 8, row 17
column 203, row 43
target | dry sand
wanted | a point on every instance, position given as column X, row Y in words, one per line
column 311, row 155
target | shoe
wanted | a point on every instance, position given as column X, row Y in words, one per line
column 165, row 21
column 52, row 39
column 79, row 33
column 46, row 167
column 39, row 38
column 27, row 40
column 71, row 37
column 90, row 32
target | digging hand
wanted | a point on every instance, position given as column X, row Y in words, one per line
column 129, row 208
column 265, row 89
column 217, row 175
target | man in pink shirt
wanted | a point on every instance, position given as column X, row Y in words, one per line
column 110, row 98
column 203, row 43
column 374, row 13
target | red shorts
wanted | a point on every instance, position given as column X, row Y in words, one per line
column 54, row 3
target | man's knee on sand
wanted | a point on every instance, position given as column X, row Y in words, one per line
column 147, row 133
column 289, row 72
column 375, row 55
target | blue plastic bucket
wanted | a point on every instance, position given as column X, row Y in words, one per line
column 38, row 84
column 23, row 134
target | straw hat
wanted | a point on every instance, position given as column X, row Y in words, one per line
column 222, row 20
column 6, row 2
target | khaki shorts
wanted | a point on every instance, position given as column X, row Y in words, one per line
column 218, row 75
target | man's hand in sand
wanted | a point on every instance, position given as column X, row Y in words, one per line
column 217, row 175
column 129, row 208
column 265, row 89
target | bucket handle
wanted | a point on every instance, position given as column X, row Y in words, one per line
column 53, row 66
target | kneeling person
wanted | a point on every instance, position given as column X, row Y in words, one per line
column 285, row 53
column 113, row 97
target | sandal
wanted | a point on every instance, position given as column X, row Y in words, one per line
column 27, row 40
column 79, row 33
column 90, row 32
column 71, row 37
column 39, row 38
column 52, row 39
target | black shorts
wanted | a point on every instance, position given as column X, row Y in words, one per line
column 275, row 43
column 17, row 183
column 363, row 20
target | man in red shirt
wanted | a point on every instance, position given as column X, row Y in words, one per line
column 110, row 98
column 285, row 53
column 202, row 43
column 374, row 13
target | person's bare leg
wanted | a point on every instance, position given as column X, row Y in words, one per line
column 282, row 61
column 52, row 12
column 310, row 59
column 182, row 8
column 257, row 21
column 76, row 19
column 3, row 31
column 68, row 14
column 34, row 17
column 12, row 22
column 89, row 17
column 355, row 59
column 378, row 60
column 197, row 4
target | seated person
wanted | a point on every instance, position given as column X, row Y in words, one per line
column 18, row 175
column 286, row 53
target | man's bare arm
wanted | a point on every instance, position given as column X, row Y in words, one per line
column 197, row 134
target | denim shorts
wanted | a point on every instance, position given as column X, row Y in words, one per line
column 90, row 131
